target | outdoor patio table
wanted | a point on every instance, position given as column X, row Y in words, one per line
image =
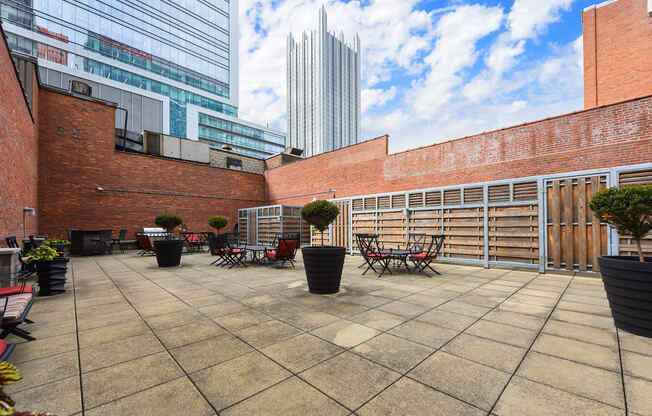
column 399, row 255
column 256, row 256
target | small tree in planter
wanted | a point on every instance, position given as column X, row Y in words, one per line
column 168, row 251
column 628, row 279
column 323, row 264
column 51, row 269
column 218, row 222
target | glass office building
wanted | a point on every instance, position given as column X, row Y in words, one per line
column 154, row 58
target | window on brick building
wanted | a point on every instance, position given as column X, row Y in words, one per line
column 233, row 163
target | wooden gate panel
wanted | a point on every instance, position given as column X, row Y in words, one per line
column 463, row 233
column 341, row 226
column 252, row 220
column 363, row 223
column 514, row 234
column 575, row 238
column 391, row 229
column 426, row 222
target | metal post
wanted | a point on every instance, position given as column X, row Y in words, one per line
column 614, row 240
column 541, row 208
column 485, row 201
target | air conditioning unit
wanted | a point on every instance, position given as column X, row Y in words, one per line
column 153, row 143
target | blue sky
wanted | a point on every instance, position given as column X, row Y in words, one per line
column 433, row 70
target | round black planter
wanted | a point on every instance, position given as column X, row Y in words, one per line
column 52, row 276
column 168, row 252
column 323, row 268
column 628, row 283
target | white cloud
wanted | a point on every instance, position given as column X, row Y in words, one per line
column 427, row 76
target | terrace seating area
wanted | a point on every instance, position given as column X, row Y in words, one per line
column 132, row 338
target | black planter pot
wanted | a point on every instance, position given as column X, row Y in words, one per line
column 323, row 268
column 628, row 283
column 168, row 252
column 52, row 276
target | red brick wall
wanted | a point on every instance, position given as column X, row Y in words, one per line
column 18, row 153
column 616, row 135
column 617, row 52
column 77, row 156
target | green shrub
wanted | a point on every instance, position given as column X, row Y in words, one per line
column 628, row 209
column 53, row 242
column 168, row 221
column 41, row 253
column 218, row 222
column 320, row 214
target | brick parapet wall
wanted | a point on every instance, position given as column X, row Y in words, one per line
column 18, row 152
column 78, row 157
column 617, row 52
column 608, row 136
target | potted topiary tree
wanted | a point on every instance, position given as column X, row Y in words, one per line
column 168, row 250
column 628, row 279
column 51, row 269
column 218, row 222
column 323, row 264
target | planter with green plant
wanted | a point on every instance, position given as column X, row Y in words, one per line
column 168, row 250
column 51, row 269
column 323, row 264
column 62, row 246
column 628, row 279
column 218, row 222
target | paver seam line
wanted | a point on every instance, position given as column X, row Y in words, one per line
column 488, row 281
column 159, row 339
column 622, row 373
column 292, row 373
column 79, row 364
column 405, row 374
column 530, row 346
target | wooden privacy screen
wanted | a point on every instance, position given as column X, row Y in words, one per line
column 242, row 225
column 340, row 227
column 251, row 227
column 627, row 246
column 575, row 238
column 363, row 223
column 463, row 233
column 268, row 229
column 391, row 229
column 514, row 234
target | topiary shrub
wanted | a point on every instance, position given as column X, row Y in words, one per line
column 628, row 209
column 218, row 222
column 168, row 221
column 320, row 214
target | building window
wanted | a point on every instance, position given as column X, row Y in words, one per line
column 233, row 163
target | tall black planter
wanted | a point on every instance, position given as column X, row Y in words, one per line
column 52, row 276
column 168, row 252
column 323, row 268
column 628, row 283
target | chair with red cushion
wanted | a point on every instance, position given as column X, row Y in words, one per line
column 145, row 245
column 219, row 246
column 422, row 260
column 235, row 253
column 372, row 253
column 284, row 252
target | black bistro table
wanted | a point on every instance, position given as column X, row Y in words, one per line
column 399, row 255
column 257, row 252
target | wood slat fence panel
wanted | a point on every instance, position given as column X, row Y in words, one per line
column 627, row 246
column 514, row 234
column 575, row 238
column 463, row 233
column 340, row 228
column 391, row 229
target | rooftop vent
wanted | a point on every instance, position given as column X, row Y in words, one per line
column 81, row 88
column 294, row 151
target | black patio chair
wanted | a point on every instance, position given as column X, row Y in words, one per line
column 219, row 246
column 236, row 252
column 121, row 241
column 371, row 252
column 145, row 244
column 422, row 260
column 284, row 253
column 5, row 348
column 416, row 242
column 357, row 239
column 26, row 270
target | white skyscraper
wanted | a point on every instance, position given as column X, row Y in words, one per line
column 323, row 81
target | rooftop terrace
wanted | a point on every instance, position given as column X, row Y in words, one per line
column 130, row 338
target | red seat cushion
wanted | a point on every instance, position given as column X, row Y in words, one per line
column 271, row 254
column 422, row 256
column 14, row 290
column 378, row 256
column 237, row 251
column 3, row 346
